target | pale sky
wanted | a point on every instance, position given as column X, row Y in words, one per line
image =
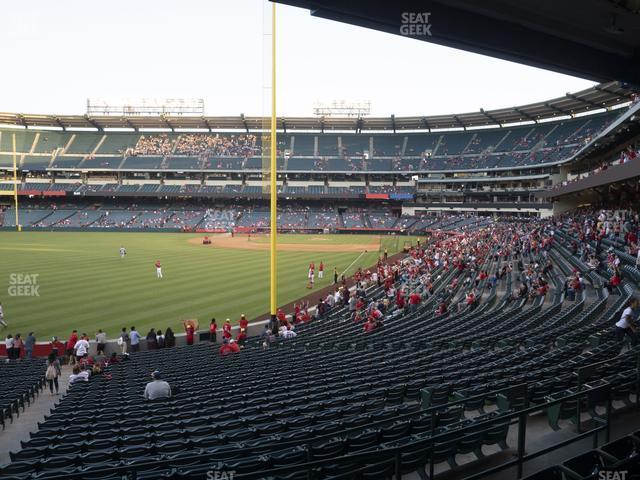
column 56, row 54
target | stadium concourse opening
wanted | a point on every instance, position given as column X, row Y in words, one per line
column 451, row 296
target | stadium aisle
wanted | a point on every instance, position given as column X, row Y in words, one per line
column 28, row 420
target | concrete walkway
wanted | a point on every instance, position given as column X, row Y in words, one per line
column 27, row 422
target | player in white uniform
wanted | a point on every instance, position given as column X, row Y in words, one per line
column 158, row 269
column 123, row 252
column 2, row 322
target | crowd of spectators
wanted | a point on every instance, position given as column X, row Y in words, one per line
column 159, row 144
column 626, row 155
column 196, row 144
column 242, row 145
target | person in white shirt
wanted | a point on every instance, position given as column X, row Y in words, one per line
column 158, row 388
column 626, row 325
column 286, row 333
column 82, row 347
column 78, row 375
column 4, row 324
column 8, row 343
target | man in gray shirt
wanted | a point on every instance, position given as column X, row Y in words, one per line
column 135, row 340
column 29, row 343
column 158, row 388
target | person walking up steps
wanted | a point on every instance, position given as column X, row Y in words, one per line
column 53, row 372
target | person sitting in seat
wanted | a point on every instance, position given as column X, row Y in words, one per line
column 615, row 281
column 241, row 338
column 113, row 359
column 157, row 388
column 78, row 375
column 228, row 347
column 370, row 326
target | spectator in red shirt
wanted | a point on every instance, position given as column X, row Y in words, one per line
column 113, row 359
column 370, row 326
column 400, row 299
column 190, row 330
column 71, row 343
column 57, row 347
column 414, row 301
column 224, row 348
column 233, row 346
column 615, row 281
column 228, row 347
column 244, row 323
column 226, row 329
column 242, row 336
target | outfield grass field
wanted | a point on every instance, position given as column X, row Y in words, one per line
column 83, row 283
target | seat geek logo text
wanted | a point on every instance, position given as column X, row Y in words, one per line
column 221, row 474
column 415, row 24
column 23, row 285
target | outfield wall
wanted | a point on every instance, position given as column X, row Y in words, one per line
column 43, row 349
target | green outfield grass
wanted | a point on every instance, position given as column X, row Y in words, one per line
column 83, row 283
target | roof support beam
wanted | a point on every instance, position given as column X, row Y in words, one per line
column 22, row 120
column 206, row 122
column 93, row 123
column 459, row 122
column 425, row 123
column 60, row 124
column 244, row 122
column 393, row 122
column 167, row 123
column 600, row 88
column 582, row 100
column 525, row 114
column 556, row 109
column 129, row 124
column 490, row 117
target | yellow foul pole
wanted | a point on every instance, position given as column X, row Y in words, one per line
column 273, row 172
column 15, row 182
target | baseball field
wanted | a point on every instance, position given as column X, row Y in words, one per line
column 53, row 282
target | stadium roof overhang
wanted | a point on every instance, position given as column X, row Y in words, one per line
column 602, row 96
column 593, row 39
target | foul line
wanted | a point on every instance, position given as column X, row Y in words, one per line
column 351, row 264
